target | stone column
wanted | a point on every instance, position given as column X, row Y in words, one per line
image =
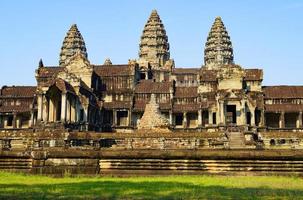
column 73, row 111
column 51, row 111
column 63, row 107
column 262, row 118
column 299, row 120
column 68, row 119
column 210, row 117
column 222, row 112
column 114, row 117
column 200, row 118
column 40, row 107
column 129, row 117
column 252, row 118
column 184, row 120
column 45, row 108
column 14, row 120
column 282, row 120
column 171, row 118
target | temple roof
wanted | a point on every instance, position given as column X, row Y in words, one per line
column 186, row 92
column 218, row 47
column 72, row 43
column 154, row 46
column 283, row 92
column 18, row 91
column 113, row 70
column 149, row 86
column 186, row 70
column 253, row 74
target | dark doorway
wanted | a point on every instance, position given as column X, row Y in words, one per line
column 257, row 117
column 122, row 117
column 214, row 118
column 204, row 118
column 248, row 118
column 179, row 119
column 142, row 76
column 231, row 117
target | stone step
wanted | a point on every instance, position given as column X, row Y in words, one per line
column 111, row 165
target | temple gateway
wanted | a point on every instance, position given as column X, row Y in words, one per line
column 77, row 95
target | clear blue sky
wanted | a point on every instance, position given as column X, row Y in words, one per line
column 265, row 34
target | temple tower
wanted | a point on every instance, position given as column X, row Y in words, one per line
column 218, row 48
column 154, row 46
column 72, row 43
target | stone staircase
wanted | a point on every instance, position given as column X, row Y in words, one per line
column 183, row 166
column 236, row 140
column 16, row 164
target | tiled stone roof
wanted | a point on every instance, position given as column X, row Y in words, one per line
column 183, row 92
column 253, row 74
column 18, row 91
column 279, row 92
column 208, row 75
column 113, row 70
column 148, row 86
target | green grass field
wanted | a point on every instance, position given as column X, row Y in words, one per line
column 21, row 186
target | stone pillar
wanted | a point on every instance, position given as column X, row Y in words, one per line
column 68, row 119
column 51, row 111
column 78, row 108
column 262, row 118
column 210, row 117
column 114, row 117
column 40, row 107
column 252, row 118
column 45, row 108
column 129, row 117
column 14, row 120
column 282, row 120
column 199, row 118
column 299, row 120
column 73, row 111
column 222, row 112
column 184, row 120
column 63, row 107
column 171, row 118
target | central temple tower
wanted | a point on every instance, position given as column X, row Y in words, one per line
column 154, row 46
column 218, row 48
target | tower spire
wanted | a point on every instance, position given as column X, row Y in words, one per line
column 154, row 46
column 72, row 43
column 218, row 48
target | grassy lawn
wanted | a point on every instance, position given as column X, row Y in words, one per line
column 21, row 186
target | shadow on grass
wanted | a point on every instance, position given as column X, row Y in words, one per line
column 139, row 190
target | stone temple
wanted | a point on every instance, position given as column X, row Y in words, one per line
column 219, row 94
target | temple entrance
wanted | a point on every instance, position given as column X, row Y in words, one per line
column 54, row 104
column 122, row 118
column 231, row 117
column 179, row 119
column 257, row 117
column 192, row 119
column 204, row 118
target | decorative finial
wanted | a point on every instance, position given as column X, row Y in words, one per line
column 41, row 63
column 107, row 62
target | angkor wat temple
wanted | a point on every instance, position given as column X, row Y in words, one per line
column 149, row 116
column 78, row 95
